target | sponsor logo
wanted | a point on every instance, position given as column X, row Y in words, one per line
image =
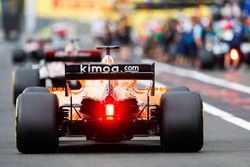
column 107, row 68
column 131, row 68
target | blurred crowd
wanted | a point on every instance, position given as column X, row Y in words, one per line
column 187, row 41
column 183, row 41
column 116, row 33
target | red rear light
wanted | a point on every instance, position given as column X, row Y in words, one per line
column 109, row 110
column 234, row 54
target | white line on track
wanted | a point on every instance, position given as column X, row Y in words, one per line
column 226, row 116
column 215, row 111
column 161, row 67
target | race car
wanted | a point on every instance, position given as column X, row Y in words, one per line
column 102, row 102
column 51, row 69
column 31, row 51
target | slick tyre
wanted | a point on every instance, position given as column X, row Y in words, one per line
column 37, row 55
column 18, row 56
column 36, row 89
column 36, row 123
column 181, row 127
column 23, row 78
column 206, row 59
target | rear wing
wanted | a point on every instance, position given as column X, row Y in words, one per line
column 78, row 56
column 111, row 72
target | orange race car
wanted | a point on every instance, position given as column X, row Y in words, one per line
column 103, row 103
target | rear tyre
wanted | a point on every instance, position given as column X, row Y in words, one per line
column 206, row 59
column 37, row 55
column 182, row 122
column 23, row 78
column 18, row 56
column 36, row 89
column 247, row 59
column 36, row 123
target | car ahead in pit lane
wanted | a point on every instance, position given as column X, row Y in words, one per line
column 51, row 68
column 107, row 107
column 31, row 50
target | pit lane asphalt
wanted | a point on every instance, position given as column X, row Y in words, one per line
column 225, row 144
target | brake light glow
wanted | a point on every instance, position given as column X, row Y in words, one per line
column 109, row 110
column 110, row 118
column 234, row 55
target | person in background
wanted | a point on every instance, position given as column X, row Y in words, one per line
column 122, row 37
column 59, row 36
column 189, row 44
column 246, row 7
column 170, row 37
column 198, row 33
column 107, row 36
column 154, row 46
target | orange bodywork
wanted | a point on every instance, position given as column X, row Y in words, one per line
column 94, row 88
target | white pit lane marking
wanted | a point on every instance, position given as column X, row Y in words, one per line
column 226, row 116
column 161, row 67
column 213, row 111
